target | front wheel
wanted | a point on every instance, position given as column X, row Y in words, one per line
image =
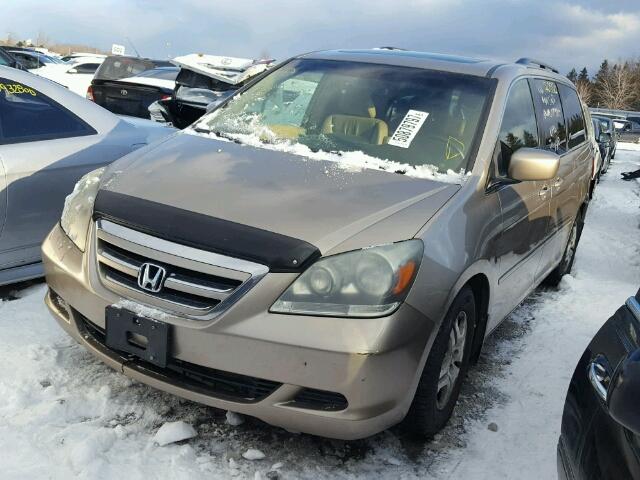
column 445, row 369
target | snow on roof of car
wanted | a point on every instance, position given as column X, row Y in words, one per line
column 231, row 70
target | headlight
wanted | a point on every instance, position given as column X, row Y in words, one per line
column 78, row 208
column 372, row 282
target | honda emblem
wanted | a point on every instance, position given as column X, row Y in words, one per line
column 151, row 277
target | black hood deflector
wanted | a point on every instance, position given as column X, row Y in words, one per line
column 280, row 253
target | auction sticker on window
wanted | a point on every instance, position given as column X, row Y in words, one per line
column 408, row 129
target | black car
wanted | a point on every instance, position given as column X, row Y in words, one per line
column 600, row 436
column 604, row 140
column 607, row 126
column 128, row 85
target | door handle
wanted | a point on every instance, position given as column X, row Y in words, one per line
column 544, row 190
column 599, row 378
column 558, row 182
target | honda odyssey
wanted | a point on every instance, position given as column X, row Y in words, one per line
column 328, row 249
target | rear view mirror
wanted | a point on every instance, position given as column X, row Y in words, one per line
column 624, row 392
column 533, row 164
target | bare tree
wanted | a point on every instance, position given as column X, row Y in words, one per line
column 617, row 90
column 585, row 90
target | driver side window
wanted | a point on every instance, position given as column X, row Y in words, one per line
column 519, row 128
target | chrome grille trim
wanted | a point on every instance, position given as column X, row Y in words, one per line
column 199, row 284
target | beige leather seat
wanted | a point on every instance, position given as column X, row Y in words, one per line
column 365, row 129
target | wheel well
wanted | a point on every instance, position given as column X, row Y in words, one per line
column 480, row 286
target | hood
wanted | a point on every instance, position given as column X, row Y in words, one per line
column 318, row 202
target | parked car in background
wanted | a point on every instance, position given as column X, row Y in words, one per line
column 128, row 85
column 49, row 138
column 204, row 81
column 8, row 60
column 593, row 132
column 329, row 250
column 600, row 436
column 609, row 127
column 75, row 76
column 32, row 60
column 76, row 56
column 604, row 144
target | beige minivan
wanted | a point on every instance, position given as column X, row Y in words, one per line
column 328, row 249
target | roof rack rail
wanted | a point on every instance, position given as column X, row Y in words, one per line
column 391, row 48
column 536, row 63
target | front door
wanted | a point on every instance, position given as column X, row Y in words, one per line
column 525, row 206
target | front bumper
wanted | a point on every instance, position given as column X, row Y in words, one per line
column 372, row 363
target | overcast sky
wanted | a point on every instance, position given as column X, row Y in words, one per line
column 563, row 33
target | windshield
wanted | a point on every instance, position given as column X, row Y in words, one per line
column 408, row 115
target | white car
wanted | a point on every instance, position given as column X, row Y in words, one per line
column 76, row 56
column 49, row 138
column 75, row 76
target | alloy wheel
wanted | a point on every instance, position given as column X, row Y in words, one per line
column 571, row 247
column 452, row 363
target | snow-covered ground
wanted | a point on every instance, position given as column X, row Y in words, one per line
column 64, row 414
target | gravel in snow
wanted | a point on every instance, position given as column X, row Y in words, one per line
column 65, row 415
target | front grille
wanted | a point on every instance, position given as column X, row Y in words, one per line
column 225, row 385
column 312, row 399
column 197, row 283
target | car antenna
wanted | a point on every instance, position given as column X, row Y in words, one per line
column 133, row 46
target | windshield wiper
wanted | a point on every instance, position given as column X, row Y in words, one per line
column 224, row 135
column 217, row 133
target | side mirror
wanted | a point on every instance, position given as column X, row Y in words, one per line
column 533, row 164
column 624, row 392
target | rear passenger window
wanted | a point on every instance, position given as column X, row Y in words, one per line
column 87, row 67
column 519, row 128
column 553, row 131
column 27, row 116
column 574, row 116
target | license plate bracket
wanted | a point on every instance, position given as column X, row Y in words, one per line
column 145, row 338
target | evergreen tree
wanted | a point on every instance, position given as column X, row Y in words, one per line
column 584, row 75
column 573, row 75
column 600, row 80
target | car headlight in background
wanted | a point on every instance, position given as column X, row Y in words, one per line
column 78, row 208
column 372, row 282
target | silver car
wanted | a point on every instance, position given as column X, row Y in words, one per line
column 49, row 138
column 328, row 249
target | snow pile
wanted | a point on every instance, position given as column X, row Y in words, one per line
column 141, row 310
column 253, row 454
column 172, row 432
column 349, row 161
column 234, row 419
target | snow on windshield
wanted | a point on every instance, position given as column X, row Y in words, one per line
column 352, row 161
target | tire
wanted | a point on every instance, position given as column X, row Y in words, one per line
column 436, row 396
column 569, row 255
